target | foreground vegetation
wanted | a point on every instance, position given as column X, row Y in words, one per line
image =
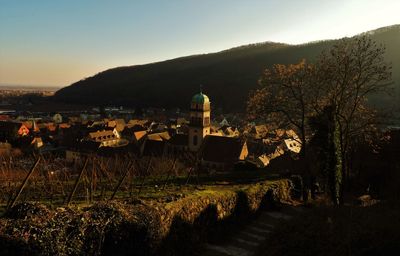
column 142, row 226
column 57, row 183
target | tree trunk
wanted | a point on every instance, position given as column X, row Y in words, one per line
column 305, row 170
column 337, row 195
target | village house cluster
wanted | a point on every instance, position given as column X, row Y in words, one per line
column 221, row 143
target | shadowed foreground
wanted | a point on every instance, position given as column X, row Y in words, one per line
column 139, row 227
column 350, row 230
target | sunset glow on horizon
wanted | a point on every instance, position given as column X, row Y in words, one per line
column 56, row 43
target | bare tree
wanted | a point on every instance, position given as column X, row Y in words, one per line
column 340, row 81
column 285, row 95
column 347, row 74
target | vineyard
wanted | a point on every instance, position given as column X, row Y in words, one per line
column 54, row 181
column 121, row 204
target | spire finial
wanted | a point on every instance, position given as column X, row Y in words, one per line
column 201, row 88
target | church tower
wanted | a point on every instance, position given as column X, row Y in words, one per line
column 199, row 120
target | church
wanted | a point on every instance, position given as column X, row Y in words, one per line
column 214, row 151
column 200, row 124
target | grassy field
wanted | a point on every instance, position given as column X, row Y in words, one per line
column 159, row 188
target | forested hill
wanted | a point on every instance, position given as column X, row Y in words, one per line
column 226, row 76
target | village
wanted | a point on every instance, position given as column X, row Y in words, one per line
column 220, row 144
column 204, row 128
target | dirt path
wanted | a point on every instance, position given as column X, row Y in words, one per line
column 246, row 241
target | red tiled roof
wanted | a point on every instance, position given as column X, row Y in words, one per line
column 221, row 149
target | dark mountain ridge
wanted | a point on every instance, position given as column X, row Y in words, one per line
column 226, row 76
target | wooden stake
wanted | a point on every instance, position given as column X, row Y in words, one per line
column 169, row 172
column 144, row 177
column 24, row 183
column 122, row 180
column 77, row 182
column 188, row 177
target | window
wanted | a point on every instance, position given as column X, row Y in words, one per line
column 196, row 121
column 207, row 121
column 195, row 140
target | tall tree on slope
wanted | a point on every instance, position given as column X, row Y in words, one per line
column 347, row 74
column 286, row 97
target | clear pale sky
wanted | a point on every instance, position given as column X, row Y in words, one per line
column 55, row 42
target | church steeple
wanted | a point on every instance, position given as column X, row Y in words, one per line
column 35, row 126
column 199, row 120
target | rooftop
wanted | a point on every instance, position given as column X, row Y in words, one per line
column 200, row 98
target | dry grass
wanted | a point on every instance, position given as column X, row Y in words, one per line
column 54, row 178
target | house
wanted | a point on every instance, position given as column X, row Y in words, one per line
column 105, row 137
column 74, row 119
column 97, row 124
column 181, row 121
column 144, row 124
column 258, row 131
column 224, row 122
column 70, row 136
column 158, row 127
column 161, row 136
column 37, row 142
column 178, row 143
column 57, row 118
column 216, row 131
column 81, row 149
column 51, row 128
column 12, row 130
column 182, row 129
column 5, row 118
column 133, row 134
column 291, row 134
column 262, row 161
column 139, row 136
column 261, row 154
column 292, row 145
column 118, row 124
column 155, row 144
column 279, row 143
column 221, row 153
column 64, row 126
column 28, row 124
column 229, row 131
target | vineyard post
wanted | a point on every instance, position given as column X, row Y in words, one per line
column 144, row 177
column 169, row 172
column 129, row 167
column 77, row 181
column 24, row 183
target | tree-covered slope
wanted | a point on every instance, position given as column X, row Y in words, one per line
column 226, row 76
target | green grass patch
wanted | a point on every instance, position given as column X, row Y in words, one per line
column 150, row 188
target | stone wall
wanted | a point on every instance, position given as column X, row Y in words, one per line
column 135, row 227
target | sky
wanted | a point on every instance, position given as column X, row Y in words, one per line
column 58, row 42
